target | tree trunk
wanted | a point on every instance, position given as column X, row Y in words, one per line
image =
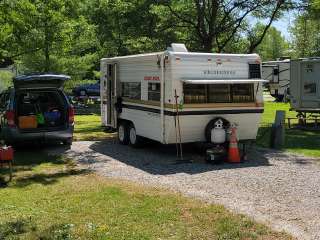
column 207, row 45
column 46, row 47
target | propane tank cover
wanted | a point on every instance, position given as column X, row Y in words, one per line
column 218, row 133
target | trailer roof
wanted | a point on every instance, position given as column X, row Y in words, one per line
column 187, row 54
column 277, row 61
column 308, row 59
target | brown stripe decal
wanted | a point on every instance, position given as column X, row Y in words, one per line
column 187, row 113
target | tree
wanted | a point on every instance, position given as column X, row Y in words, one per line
column 49, row 36
column 273, row 45
column 129, row 27
column 215, row 23
column 306, row 31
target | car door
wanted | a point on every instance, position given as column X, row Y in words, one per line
column 94, row 89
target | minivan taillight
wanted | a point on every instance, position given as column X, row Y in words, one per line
column 71, row 114
column 10, row 116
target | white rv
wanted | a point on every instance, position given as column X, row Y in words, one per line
column 278, row 75
column 305, row 86
column 139, row 92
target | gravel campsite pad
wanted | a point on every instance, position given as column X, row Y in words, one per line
column 278, row 189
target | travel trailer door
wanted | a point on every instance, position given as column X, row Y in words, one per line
column 274, row 83
column 271, row 73
column 111, row 96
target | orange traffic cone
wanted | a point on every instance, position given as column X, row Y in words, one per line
column 233, row 155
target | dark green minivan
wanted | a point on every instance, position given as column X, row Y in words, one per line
column 38, row 99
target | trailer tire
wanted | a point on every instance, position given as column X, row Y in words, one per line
column 134, row 139
column 123, row 133
column 210, row 126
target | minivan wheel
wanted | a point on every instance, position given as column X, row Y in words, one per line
column 123, row 133
column 134, row 139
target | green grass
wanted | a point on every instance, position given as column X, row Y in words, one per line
column 297, row 141
column 51, row 199
column 270, row 109
column 88, row 128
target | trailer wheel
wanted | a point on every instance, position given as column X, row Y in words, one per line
column 134, row 139
column 123, row 133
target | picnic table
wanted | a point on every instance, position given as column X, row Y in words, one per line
column 303, row 121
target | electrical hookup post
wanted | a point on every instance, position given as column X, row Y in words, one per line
column 277, row 137
column 180, row 158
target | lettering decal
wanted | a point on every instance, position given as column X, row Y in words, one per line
column 219, row 72
column 151, row 78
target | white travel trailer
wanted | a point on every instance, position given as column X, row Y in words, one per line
column 305, row 86
column 138, row 95
column 278, row 75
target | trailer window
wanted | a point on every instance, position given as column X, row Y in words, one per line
column 310, row 88
column 131, row 90
column 242, row 93
column 218, row 93
column 254, row 71
column 194, row 93
column 154, row 91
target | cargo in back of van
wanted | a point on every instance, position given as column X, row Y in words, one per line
column 40, row 109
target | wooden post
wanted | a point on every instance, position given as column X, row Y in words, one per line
column 278, row 130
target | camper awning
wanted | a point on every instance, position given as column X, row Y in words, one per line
column 222, row 81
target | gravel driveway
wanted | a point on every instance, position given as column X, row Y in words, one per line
column 280, row 190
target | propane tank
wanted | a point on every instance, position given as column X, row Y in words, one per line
column 218, row 133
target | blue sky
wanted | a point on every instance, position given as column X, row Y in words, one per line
column 284, row 24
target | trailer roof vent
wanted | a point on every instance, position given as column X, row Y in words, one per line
column 178, row 47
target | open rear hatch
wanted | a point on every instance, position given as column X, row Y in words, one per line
column 38, row 81
column 41, row 110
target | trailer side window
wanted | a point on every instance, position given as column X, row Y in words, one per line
column 218, row 93
column 154, row 91
column 242, row 93
column 194, row 93
column 131, row 90
column 254, row 71
column 310, row 88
